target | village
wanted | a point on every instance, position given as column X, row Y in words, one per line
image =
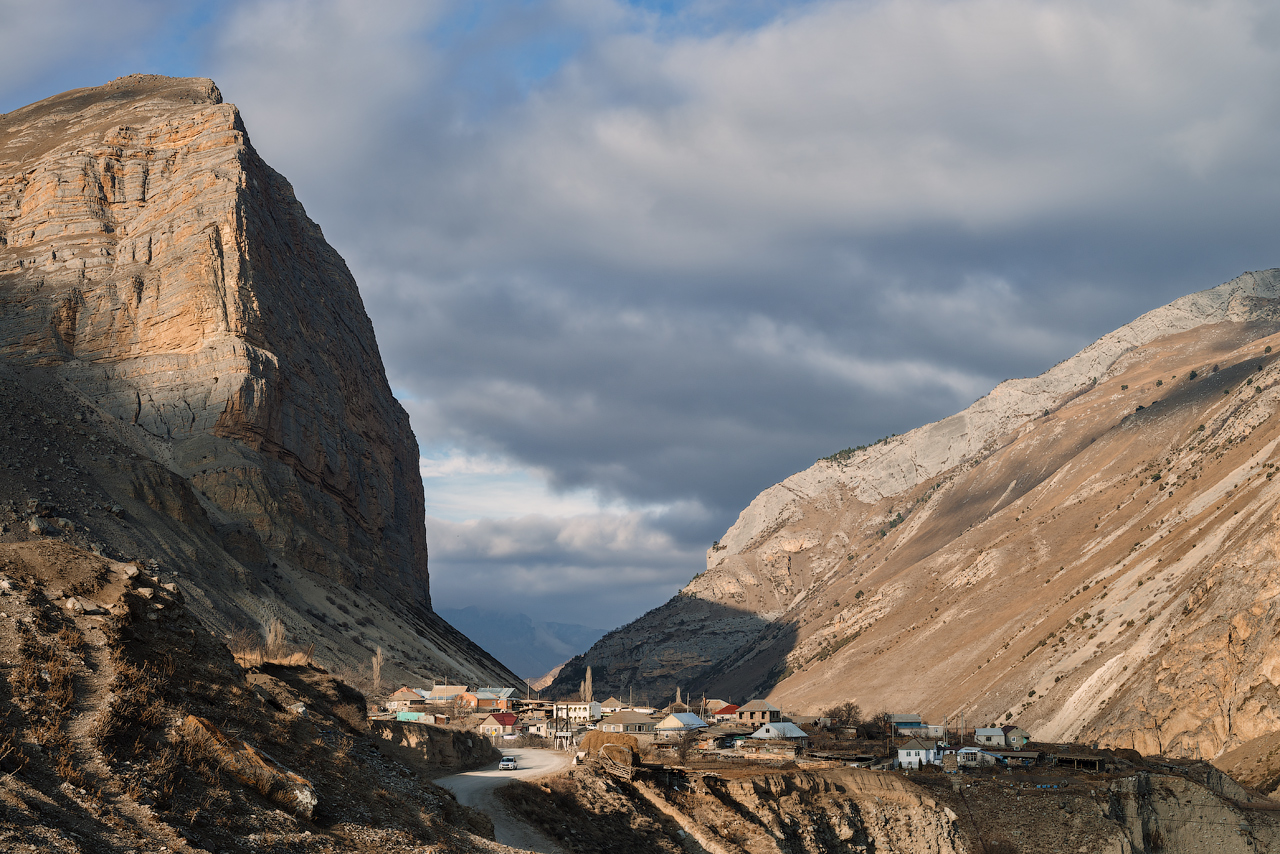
column 713, row 729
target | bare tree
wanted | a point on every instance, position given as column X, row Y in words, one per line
column 846, row 714
column 686, row 743
column 377, row 661
column 586, row 687
column 276, row 640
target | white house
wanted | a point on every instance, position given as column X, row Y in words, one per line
column 782, row 731
column 917, row 754
column 677, row 724
column 628, row 721
column 578, row 712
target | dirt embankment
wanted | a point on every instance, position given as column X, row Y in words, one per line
column 437, row 750
column 853, row 810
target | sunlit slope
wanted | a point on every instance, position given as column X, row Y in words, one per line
column 1058, row 582
column 1089, row 553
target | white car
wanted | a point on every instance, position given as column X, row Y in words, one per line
column 508, row 763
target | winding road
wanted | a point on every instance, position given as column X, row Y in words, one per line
column 476, row 788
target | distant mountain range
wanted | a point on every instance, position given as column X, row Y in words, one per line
column 525, row 645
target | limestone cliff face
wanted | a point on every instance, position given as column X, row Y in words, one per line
column 150, row 257
column 154, row 265
column 1091, row 553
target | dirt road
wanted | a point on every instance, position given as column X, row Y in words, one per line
column 475, row 789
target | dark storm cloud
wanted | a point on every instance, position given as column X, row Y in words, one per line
column 666, row 256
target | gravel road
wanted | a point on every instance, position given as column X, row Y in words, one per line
column 475, row 789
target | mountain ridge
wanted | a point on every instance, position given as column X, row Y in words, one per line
column 1086, row 553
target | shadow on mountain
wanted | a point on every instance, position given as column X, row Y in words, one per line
column 698, row 646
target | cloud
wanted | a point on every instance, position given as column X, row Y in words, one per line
column 617, row 565
column 627, row 256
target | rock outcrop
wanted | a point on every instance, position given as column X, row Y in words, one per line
column 153, row 263
column 1091, row 553
column 824, row 811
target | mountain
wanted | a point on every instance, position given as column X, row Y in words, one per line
column 529, row 647
column 162, row 289
column 1090, row 553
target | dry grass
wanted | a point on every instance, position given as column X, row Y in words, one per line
column 251, row 650
column 596, row 739
column 352, row 716
column 43, row 688
column 137, row 707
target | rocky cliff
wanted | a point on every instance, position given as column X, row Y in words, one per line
column 1090, row 553
column 154, row 266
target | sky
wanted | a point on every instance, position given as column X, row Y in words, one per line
column 631, row 263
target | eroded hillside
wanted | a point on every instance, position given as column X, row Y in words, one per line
column 757, row 810
column 128, row 727
column 1090, row 553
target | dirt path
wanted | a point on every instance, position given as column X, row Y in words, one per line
column 476, row 789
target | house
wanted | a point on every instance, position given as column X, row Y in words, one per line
column 975, row 757
column 611, row 705
column 499, row 723
column 488, row 699
column 917, row 754
column 534, row 725
column 677, row 724
column 905, row 724
column 713, row 706
column 1015, row 737
column 628, row 721
column 445, row 693
column 405, row 699
column 782, row 731
column 726, row 713
column 759, row 712
column 578, row 712
column 422, row 718
column 993, row 736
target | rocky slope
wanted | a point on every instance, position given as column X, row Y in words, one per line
column 760, row 811
column 165, row 285
column 1091, row 553
column 117, row 704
